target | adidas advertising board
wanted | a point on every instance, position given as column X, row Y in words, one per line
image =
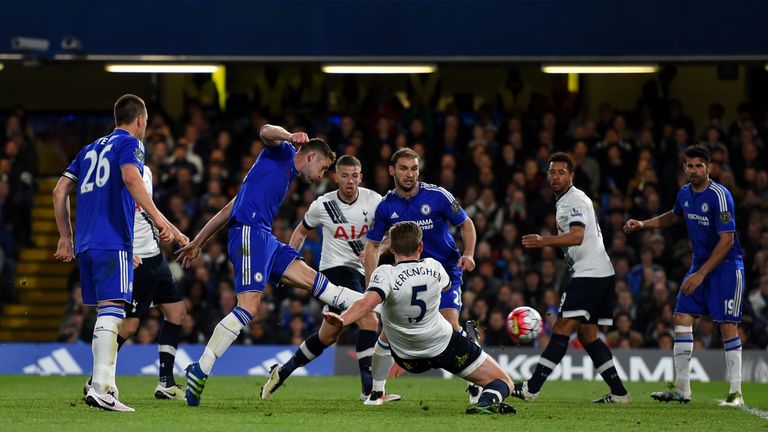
column 77, row 359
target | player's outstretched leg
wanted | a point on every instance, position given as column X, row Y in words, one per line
column 312, row 347
column 548, row 361
column 166, row 345
column 603, row 360
column 470, row 331
column 223, row 335
column 496, row 387
column 490, row 400
column 381, row 363
column 683, row 349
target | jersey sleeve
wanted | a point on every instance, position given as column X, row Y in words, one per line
column 380, row 225
column 575, row 214
column 444, row 280
column 677, row 210
column 284, row 150
column 132, row 152
column 73, row 170
column 723, row 213
column 451, row 208
column 380, row 283
column 312, row 217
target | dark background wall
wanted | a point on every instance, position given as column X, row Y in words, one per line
column 533, row 29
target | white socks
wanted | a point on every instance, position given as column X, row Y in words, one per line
column 381, row 364
column 683, row 349
column 104, row 347
column 733, row 363
column 338, row 296
column 224, row 334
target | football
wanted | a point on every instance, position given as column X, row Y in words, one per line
column 523, row 324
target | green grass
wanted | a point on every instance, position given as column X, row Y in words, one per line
column 318, row 404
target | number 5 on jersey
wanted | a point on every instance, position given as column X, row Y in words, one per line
column 101, row 165
column 415, row 301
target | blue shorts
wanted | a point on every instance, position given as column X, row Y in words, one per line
column 258, row 258
column 719, row 295
column 106, row 275
column 451, row 299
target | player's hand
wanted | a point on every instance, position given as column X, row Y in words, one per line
column 136, row 261
column 188, row 253
column 333, row 319
column 533, row 241
column 165, row 231
column 466, row 263
column 691, row 283
column 298, row 138
column 633, row 225
column 64, row 250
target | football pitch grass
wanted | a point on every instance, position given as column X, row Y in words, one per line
column 319, row 404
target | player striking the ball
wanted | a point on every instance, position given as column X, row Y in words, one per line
column 588, row 300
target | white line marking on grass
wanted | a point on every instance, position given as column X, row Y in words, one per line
column 757, row 412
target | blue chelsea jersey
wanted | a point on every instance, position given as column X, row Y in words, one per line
column 432, row 208
column 707, row 214
column 105, row 207
column 265, row 186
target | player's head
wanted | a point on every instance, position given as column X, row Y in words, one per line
column 404, row 167
column 348, row 175
column 317, row 157
column 698, row 164
column 560, row 173
column 405, row 238
column 131, row 114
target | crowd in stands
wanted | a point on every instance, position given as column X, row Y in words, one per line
column 494, row 161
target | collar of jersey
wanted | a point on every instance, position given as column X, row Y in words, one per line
column 120, row 131
column 690, row 187
column 338, row 195
column 409, row 261
column 566, row 191
column 394, row 192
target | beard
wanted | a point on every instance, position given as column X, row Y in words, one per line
column 404, row 187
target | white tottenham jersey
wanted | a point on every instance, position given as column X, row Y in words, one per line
column 145, row 237
column 575, row 208
column 344, row 227
column 410, row 312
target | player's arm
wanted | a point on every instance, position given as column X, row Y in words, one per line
column 572, row 238
column 272, row 136
column 64, row 188
column 189, row 252
column 661, row 221
column 371, row 259
column 359, row 309
column 469, row 236
column 135, row 184
column 722, row 247
column 299, row 235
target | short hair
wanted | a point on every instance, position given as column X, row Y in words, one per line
column 405, row 237
column 127, row 108
column 698, row 151
column 320, row 146
column 562, row 157
column 403, row 153
column 348, row 160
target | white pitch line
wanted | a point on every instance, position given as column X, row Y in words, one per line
column 757, row 412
